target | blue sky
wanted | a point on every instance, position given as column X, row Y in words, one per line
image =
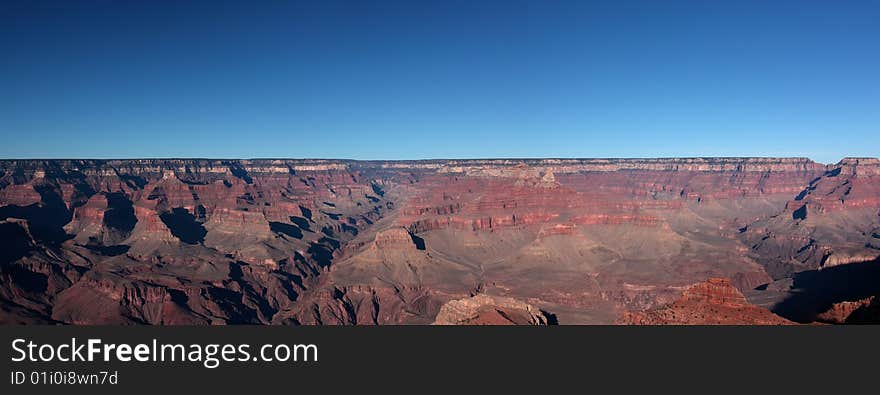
column 451, row 79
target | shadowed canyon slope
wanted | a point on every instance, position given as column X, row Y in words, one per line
column 193, row 241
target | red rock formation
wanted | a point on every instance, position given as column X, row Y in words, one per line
column 394, row 238
column 240, row 223
column 105, row 300
column 839, row 312
column 714, row 302
column 19, row 195
column 149, row 225
column 88, row 219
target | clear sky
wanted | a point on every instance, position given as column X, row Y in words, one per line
column 454, row 79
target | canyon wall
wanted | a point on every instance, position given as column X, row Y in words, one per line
column 280, row 241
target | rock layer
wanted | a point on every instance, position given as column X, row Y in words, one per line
column 278, row 241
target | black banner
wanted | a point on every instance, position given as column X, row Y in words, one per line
column 449, row 359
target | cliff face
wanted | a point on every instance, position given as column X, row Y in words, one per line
column 831, row 221
column 181, row 241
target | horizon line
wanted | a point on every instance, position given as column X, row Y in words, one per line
column 425, row 159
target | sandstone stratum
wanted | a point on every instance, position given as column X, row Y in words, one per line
column 486, row 241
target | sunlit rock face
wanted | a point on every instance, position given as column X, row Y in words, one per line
column 490, row 310
column 379, row 242
column 713, row 302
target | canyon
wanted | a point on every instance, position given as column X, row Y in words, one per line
column 479, row 241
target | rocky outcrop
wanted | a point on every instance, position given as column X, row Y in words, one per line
column 840, row 312
column 484, row 309
column 863, row 167
column 716, row 292
column 19, row 195
column 867, row 313
column 98, row 299
column 246, row 225
column 363, row 305
column 394, row 238
column 88, row 219
column 713, row 302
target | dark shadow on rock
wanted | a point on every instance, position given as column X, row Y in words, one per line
column 191, row 181
column 113, row 250
column 289, row 277
column 184, row 226
column 133, row 182
column 349, row 229
column 201, row 213
column 332, row 243
column 418, row 241
column 46, row 219
column 239, row 171
column 24, row 279
column 814, row 291
column 333, row 216
column 16, row 243
column 301, row 222
column 235, row 272
column 178, row 297
column 287, row 229
column 833, row 173
column 551, row 318
column 120, row 214
column 305, row 212
column 800, row 213
column 321, row 254
column 230, row 302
